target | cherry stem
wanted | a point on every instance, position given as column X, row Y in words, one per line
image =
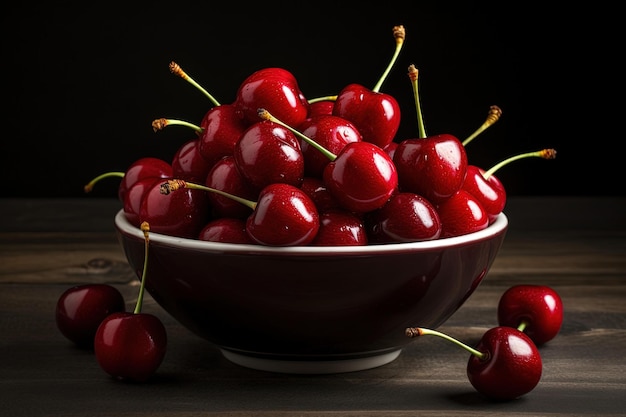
column 177, row 184
column 266, row 115
column 399, row 35
column 162, row 123
column 145, row 228
column 177, row 70
column 323, row 98
column 421, row 331
column 413, row 73
column 544, row 153
column 493, row 116
column 89, row 186
column 522, row 326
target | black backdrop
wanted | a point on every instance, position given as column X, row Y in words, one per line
column 82, row 82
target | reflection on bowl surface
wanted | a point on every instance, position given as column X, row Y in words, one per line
column 311, row 309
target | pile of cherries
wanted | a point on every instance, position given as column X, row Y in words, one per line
column 276, row 168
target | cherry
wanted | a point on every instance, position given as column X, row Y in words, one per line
column 226, row 177
column 537, row 310
column 406, row 217
column 134, row 197
column 316, row 189
column 488, row 189
column 275, row 89
column 361, row 177
column 340, row 228
column 431, row 166
column 323, row 105
column 505, row 364
column 182, row 215
column 330, row 132
column 189, row 164
column 81, row 308
column 267, row 153
column 131, row 345
column 461, row 214
column 225, row 230
column 284, row 215
column 376, row 115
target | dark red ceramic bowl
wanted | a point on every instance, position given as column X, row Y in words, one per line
column 311, row 309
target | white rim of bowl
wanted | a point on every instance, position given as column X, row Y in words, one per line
column 497, row 227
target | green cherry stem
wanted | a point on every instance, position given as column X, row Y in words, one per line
column 266, row 115
column 89, row 186
column 421, row 331
column 413, row 74
column 177, row 184
column 522, row 326
column 145, row 228
column 493, row 116
column 399, row 34
column 323, row 98
column 177, row 70
column 544, row 153
column 162, row 123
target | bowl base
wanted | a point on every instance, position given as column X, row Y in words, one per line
column 313, row 366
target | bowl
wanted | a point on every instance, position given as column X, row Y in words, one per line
column 306, row 309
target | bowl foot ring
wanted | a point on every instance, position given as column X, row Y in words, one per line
column 312, row 366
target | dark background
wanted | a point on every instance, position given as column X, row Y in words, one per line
column 82, row 82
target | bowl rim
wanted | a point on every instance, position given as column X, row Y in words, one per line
column 499, row 226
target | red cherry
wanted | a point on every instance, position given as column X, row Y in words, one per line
column 434, row 167
column 222, row 127
column 284, row 215
column 505, row 364
column 133, row 198
column 183, row 214
column 131, row 345
column 489, row 191
column 189, row 164
column 316, row 189
column 267, row 153
column 537, row 310
column 511, row 365
column 461, row 214
column 376, row 115
column 81, row 308
column 330, row 132
column 225, row 230
column 406, row 217
column 147, row 167
column 225, row 176
column 320, row 107
column 340, row 228
column 275, row 89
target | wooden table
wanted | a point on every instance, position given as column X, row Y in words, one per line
column 576, row 245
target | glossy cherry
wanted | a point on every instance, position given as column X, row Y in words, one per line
column 284, row 215
column 406, row 217
column 361, row 177
column 316, row 189
column 274, row 89
column 225, row 176
column 461, row 214
column 340, row 228
column 182, row 214
column 188, row 163
column 535, row 309
column 332, row 133
column 376, row 115
column 225, row 230
column 504, row 365
column 146, row 167
column 267, row 153
column 81, row 308
column 131, row 345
